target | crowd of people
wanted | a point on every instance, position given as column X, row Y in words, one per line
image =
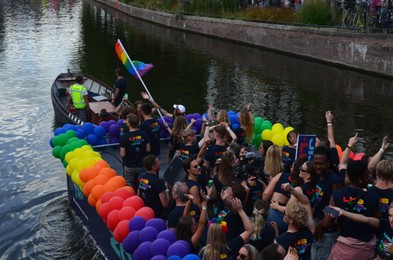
column 239, row 201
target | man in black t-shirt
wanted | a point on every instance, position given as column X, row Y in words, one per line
column 120, row 88
column 151, row 188
column 134, row 146
column 152, row 127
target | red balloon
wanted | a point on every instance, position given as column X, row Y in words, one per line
column 126, row 213
column 358, row 156
column 124, row 193
column 104, row 210
column 106, row 196
column 145, row 213
column 351, row 155
column 121, row 231
column 116, row 202
column 113, row 219
column 135, row 202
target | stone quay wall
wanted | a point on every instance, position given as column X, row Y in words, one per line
column 360, row 51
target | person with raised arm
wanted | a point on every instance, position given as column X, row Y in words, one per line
column 179, row 110
column 377, row 157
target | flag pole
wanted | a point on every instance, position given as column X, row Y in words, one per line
column 139, row 76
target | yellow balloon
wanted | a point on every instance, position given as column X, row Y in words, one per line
column 78, row 153
column 278, row 140
column 89, row 154
column 69, row 170
column 278, row 127
column 69, row 156
column 80, row 165
column 75, row 178
column 287, row 130
column 267, row 134
column 86, row 148
column 89, row 162
column 73, row 163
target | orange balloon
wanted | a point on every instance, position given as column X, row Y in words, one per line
column 88, row 187
column 108, row 172
column 120, row 180
column 101, row 164
column 92, row 201
column 97, row 191
column 88, row 174
column 111, row 186
column 101, row 179
column 339, row 151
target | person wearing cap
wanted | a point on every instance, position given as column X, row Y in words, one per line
column 79, row 97
column 179, row 110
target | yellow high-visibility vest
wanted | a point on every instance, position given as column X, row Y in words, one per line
column 76, row 92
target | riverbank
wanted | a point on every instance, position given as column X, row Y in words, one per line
column 359, row 51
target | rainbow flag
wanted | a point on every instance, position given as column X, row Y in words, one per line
column 141, row 67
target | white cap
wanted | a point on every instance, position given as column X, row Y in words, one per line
column 180, row 108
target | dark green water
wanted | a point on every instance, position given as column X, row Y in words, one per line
column 40, row 39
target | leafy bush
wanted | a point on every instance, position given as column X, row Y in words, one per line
column 277, row 14
column 315, row 12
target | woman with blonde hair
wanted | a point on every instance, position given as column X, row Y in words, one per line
column 263, row 234
column 248, row 252
column 175, row 135
column 273, row 161
column 217, row 246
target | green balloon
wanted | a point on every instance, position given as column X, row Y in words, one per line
column 70, row 133
column 266, row 125
column 82, row 142
column 72, row 140
column 65, row 163
column 256, row 140
column 56, row 151
column 64, row 151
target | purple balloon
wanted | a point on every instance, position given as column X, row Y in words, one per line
column 167, row 234
column 196, row 116
column 185, row 243
column 131, row 242
column 148, row 234
column 158, row 223
column 189, row 117
column 92, row 139
column 178, row 249
column 143, row 251
column 159, row 247
column 174, row 257
column 114, row 130
column 159, row 257
column 120, row 122
column 113, row 140
column 111, row 122
column 105, row 125
column 136, row 223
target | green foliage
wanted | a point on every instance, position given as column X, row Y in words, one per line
column 315, row 12
column 269, row 14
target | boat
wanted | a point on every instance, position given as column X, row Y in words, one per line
column 100, row 96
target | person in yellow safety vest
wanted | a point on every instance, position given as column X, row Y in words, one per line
column 79, row 97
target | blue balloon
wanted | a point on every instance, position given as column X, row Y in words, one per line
column 102, row 141
column 191, row 257
column 114, row 130
column 159, row 257
column 235, row 126
column 80, row 133
column 99, row 131
column 92, row 139
column 174, row 257
column 60, row 130
column 89, row 128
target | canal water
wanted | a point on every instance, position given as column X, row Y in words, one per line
column 41, row 38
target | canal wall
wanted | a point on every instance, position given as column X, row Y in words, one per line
column 362, row 51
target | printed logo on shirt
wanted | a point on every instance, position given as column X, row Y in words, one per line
column 384, row 240
column 184, row 154
column 143, row 184
column 136, row 140
column 315, row 194
column 218, row 154
column 384, row 204
column 301, row 245
column 349, row 203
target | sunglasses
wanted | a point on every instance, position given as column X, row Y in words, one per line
column 196, row 166
column 241, row 256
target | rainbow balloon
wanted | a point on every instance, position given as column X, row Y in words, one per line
column 142, row 68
